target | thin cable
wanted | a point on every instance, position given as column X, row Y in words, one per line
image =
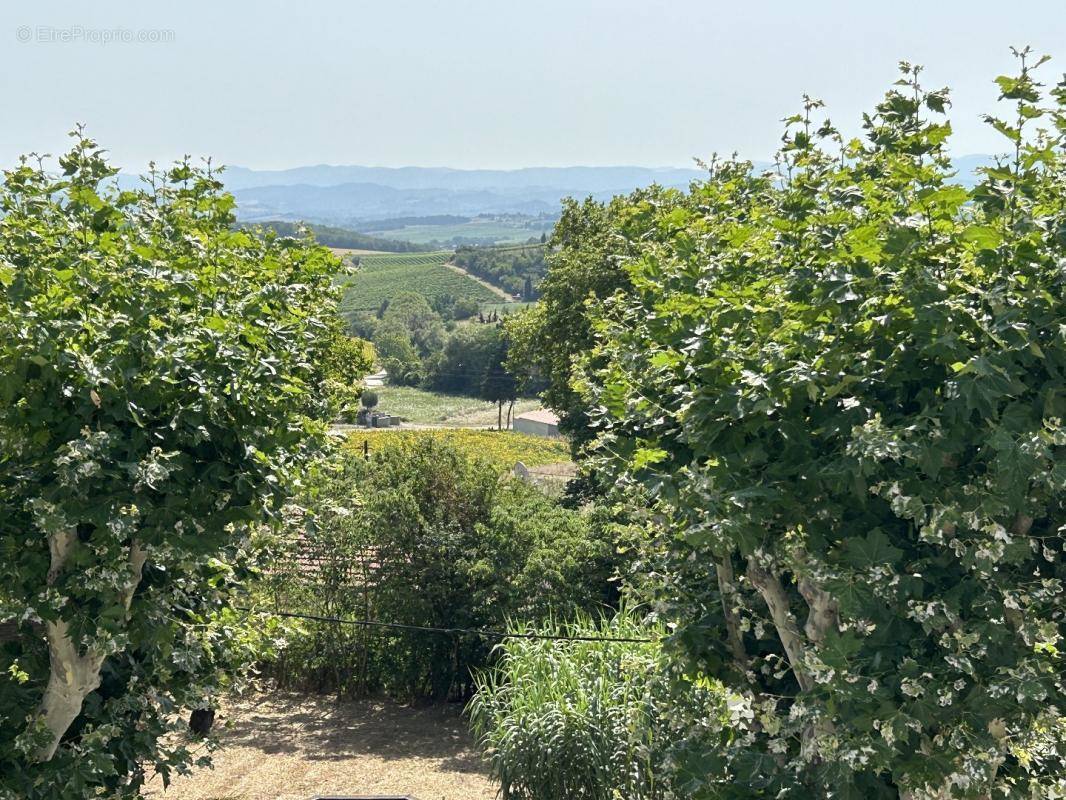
column 367, row 623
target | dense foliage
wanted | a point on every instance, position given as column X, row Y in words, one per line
column 591, row 720
column 517, row 269
column 346, row 360
column 424, row 533
column 841, row 385
column 584, row 266
column 468, row 355
column 417, row 347
column 159, row 392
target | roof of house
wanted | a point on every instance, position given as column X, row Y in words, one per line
column 540, row 415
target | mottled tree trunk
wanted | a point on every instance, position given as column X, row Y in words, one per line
column 73, row 675
column 788, row 632
column 727, row 589
column 822, row 618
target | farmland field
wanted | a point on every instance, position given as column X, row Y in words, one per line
column 382, row 277
column 344, row 252
column 437, row 408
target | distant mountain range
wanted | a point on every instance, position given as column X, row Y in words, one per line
column 354, row 195
column 591, row 179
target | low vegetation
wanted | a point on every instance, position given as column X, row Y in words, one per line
column 591, row 719
column 426, row 533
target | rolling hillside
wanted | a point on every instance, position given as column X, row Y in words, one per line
column 381, row 277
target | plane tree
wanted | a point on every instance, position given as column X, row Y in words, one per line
column 159, row 375
column 840, row 387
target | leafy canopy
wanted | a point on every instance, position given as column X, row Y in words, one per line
column 842, row 386
column 159, row 392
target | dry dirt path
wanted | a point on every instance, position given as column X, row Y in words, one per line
column 293, row 747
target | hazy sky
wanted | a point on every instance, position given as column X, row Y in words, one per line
column 487, row 83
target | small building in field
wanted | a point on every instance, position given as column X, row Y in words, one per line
column 538, row 423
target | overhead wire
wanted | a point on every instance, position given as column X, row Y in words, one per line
column 489, row 634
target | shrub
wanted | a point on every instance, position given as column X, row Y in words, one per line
column 158, row 397
column 465, row 308
column 345, row 362
column 424, row 534
column 842, row 387
column 588, row 720
column 369, row 399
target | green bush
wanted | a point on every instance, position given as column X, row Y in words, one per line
column 589, row 720
column 346, row 360
column 465, row 308
column 425, row 534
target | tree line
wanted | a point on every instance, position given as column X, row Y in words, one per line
column 516, row 270
column 340, row 237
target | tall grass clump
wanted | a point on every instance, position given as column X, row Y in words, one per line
column 587, row 720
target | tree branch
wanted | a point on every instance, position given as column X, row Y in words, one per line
column 773, row 593
column 727, row 589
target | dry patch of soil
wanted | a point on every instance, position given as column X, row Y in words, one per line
column 294, row 747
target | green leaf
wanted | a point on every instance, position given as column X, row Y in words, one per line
column 646, row 456
column 983, row 236
column 872, row 550
column 215, row 323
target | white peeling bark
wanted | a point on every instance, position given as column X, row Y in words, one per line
column 773, row 593
column 822, row 618
column 74, row 675
column 824, row 613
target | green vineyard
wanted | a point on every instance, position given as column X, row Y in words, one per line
column 382, row 277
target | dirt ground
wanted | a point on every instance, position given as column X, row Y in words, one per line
column 293, row 747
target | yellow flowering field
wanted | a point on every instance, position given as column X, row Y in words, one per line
column 503, row 447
